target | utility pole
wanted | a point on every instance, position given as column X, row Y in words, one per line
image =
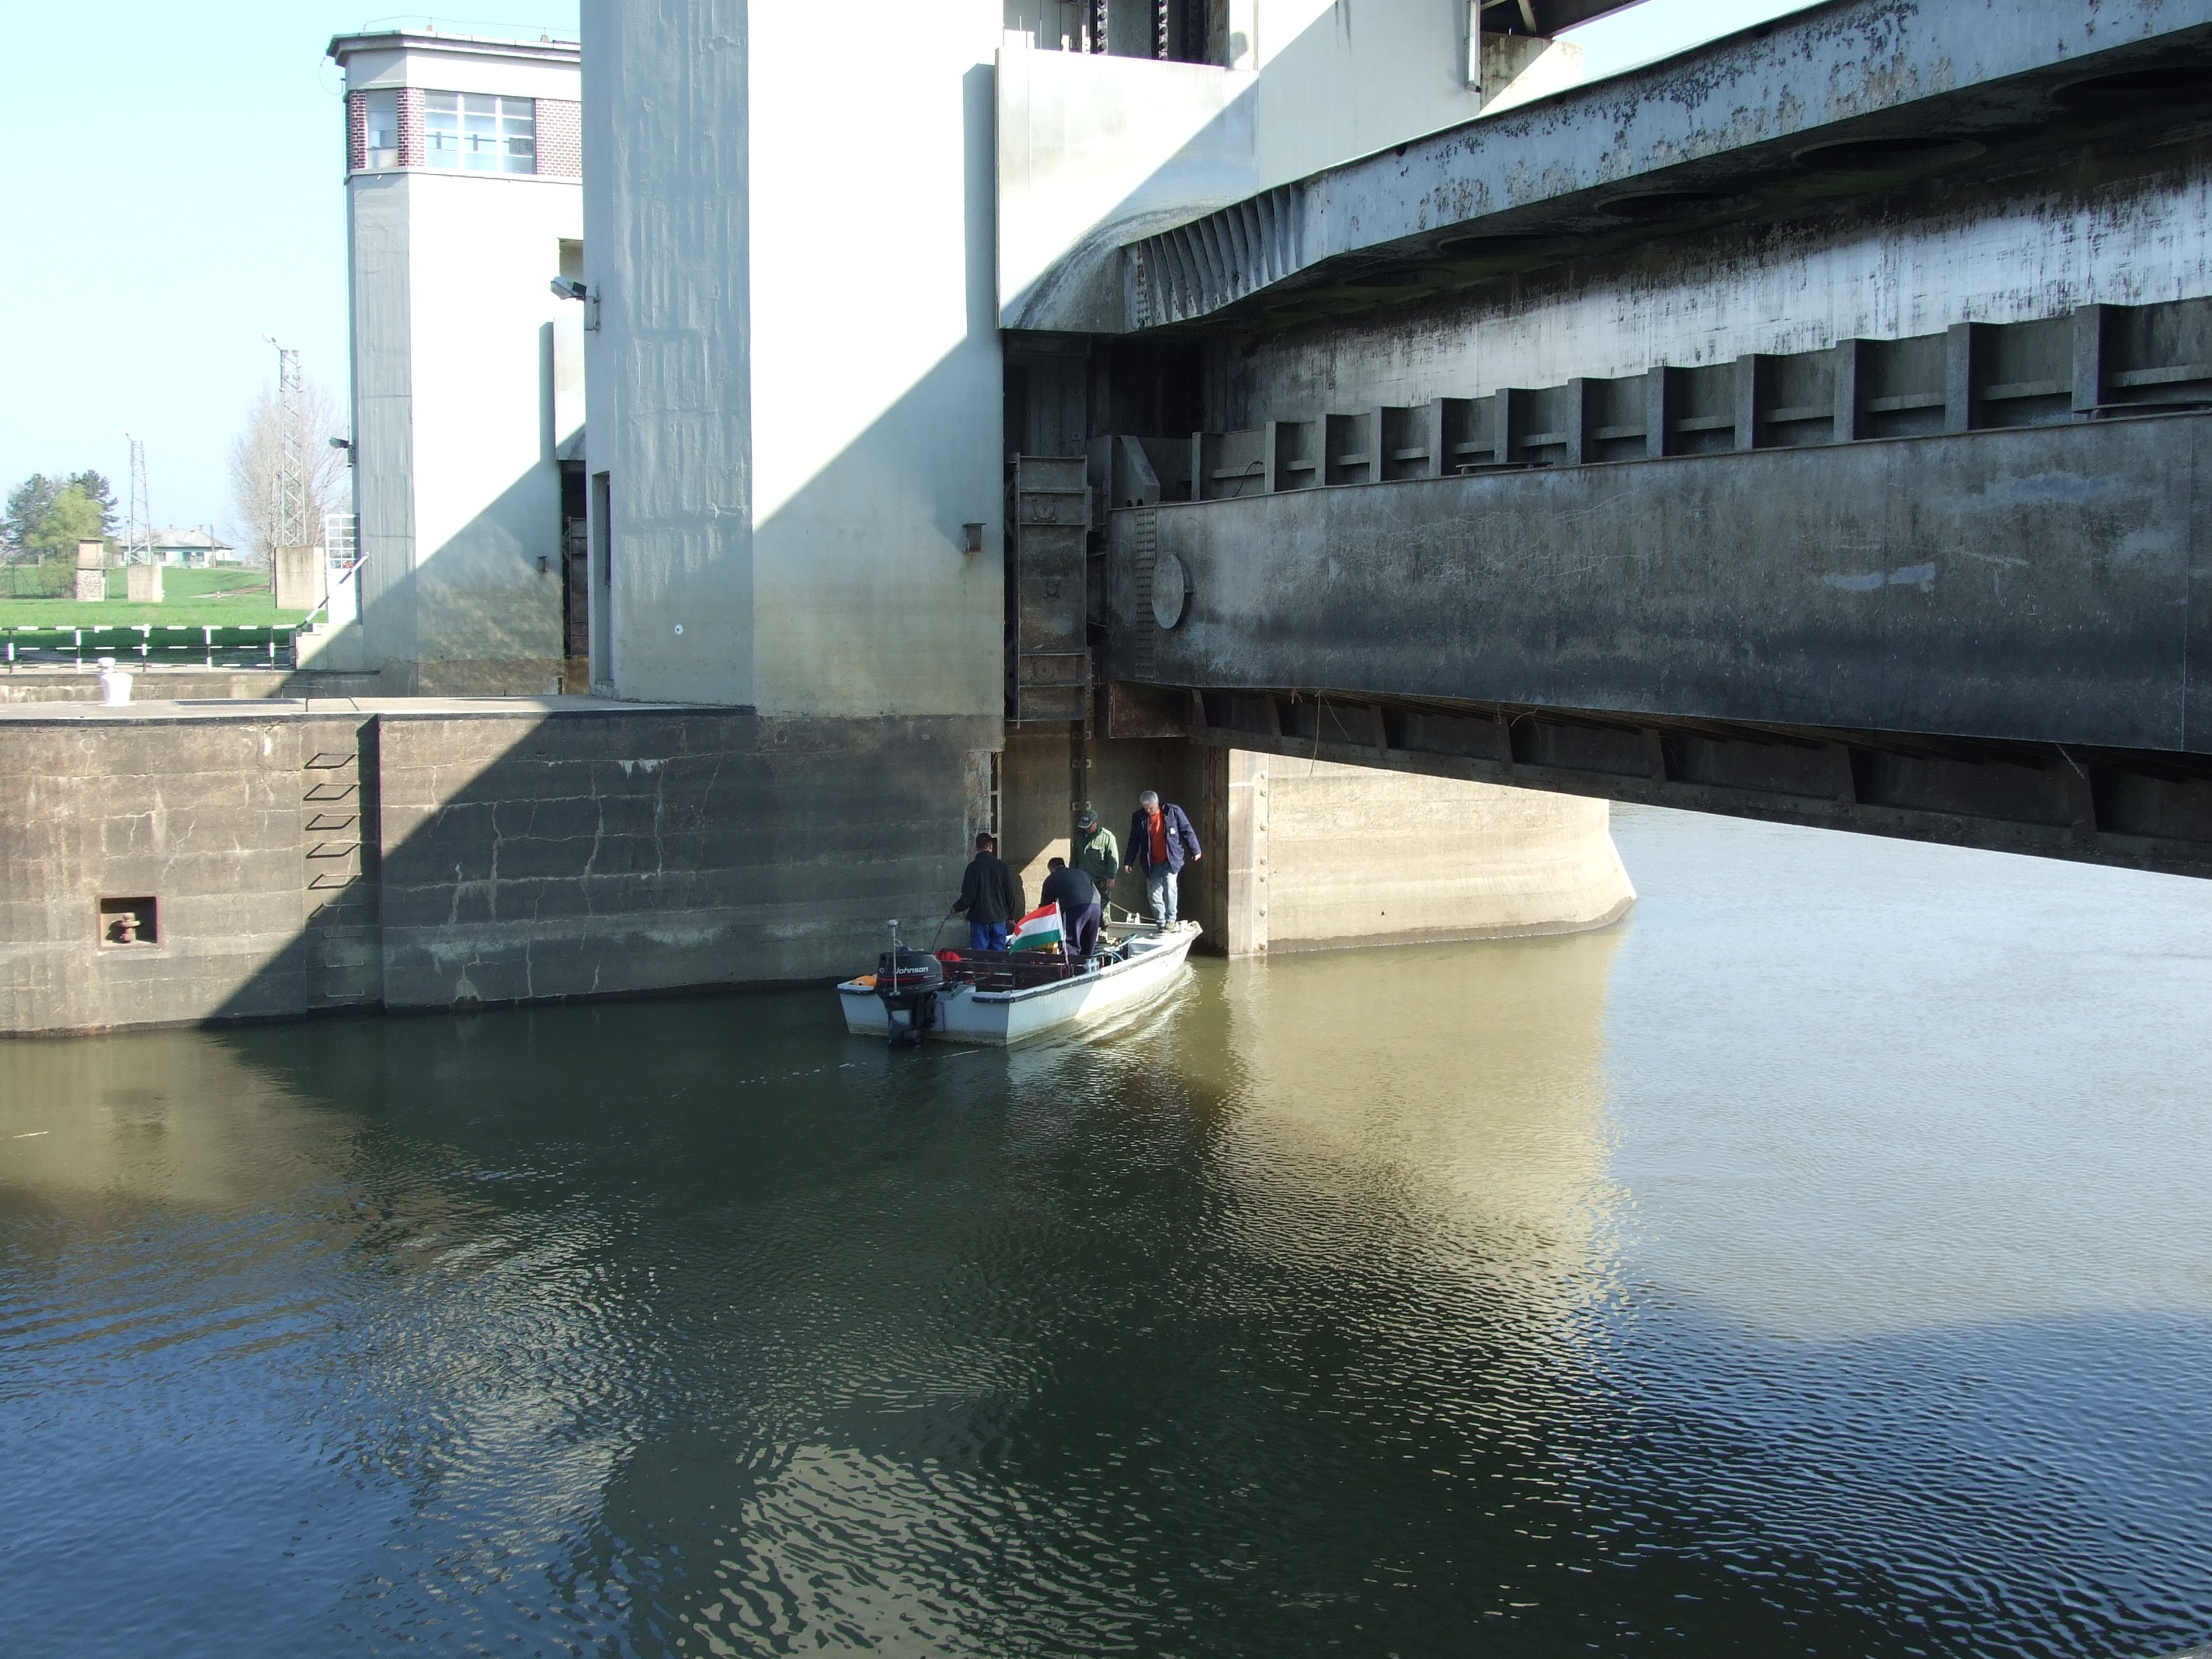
column 139, row 528
column 289, row 519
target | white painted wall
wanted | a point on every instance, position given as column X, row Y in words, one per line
column 509, row 69
column 795, row 387
column 668, row 373
column 1340, row 78
column 484, row 250
column 1096, row 151
column 456, row 412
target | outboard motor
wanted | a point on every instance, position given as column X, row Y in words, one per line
column 906, row 983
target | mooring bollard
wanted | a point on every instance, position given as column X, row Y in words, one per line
column 114, row 683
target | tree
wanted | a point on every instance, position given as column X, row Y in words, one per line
column 27, row 506
column 257, row 461
column 70, row 518
column 101, row 494
column 48, row 517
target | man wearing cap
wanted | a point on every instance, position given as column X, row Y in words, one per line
column 1095, row 853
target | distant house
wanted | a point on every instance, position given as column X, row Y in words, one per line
column 195, row 549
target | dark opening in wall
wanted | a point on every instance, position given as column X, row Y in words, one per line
column 129, row 921
column 1187, row 30
column 575, row 579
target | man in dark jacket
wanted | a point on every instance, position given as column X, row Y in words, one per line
column 1076, row 896
column 990, row 895
column 1161, row 841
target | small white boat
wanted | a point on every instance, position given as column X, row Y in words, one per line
column 976, row 1004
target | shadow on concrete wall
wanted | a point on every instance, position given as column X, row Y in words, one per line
column 491, row 858
column 481, row 614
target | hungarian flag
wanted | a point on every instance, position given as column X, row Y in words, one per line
column 1037, row 931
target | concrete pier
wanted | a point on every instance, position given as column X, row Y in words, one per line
column 1345, row 855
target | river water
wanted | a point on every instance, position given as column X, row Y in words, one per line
column 1816, row 1263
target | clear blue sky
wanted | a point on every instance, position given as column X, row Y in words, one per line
column 175, row 191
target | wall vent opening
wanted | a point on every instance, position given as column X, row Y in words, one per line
column 125, row 922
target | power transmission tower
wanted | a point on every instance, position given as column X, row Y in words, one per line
column 138, row 529
column 289, row 516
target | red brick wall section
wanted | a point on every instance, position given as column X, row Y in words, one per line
column 357, row 131
column 411, row 151
column 560, row 138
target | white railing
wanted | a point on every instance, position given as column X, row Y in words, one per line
column 342, row 562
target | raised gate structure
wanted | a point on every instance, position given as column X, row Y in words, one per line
column 1816, row 428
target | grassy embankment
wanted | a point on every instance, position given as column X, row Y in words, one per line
column 193, row 598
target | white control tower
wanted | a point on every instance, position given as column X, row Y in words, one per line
column 464, row 201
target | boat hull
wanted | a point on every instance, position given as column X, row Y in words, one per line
column 995, row 1019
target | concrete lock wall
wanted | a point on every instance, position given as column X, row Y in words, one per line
column 1302, row 855
column 420, row 855
column 794, row 396
column 415, row 854
column 1351, row 856
column 457, row 415
column 299, row 578
column 21, row 681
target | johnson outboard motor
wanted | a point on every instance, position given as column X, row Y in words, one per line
column 906, row 983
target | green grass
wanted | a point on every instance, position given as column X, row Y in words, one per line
column 206, row 583
column 193, row 598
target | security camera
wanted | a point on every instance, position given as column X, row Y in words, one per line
column 567, row 288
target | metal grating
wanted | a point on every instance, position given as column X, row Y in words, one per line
column 1199, row 267
column 1146, row 632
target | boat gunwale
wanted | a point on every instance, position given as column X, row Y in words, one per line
column 855, row 989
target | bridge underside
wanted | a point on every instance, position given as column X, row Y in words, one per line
column 1989, row 638
column 2143, row 810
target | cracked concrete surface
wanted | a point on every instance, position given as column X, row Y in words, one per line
column 336, row 853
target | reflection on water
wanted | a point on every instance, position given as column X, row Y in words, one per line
column 1465, row 1082
column 1809, row 1266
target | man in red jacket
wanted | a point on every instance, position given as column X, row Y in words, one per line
column 1161, row 841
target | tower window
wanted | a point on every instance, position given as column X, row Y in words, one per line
column 383, row 145
column 478, row 133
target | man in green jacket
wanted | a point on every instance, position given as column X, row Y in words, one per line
column 1095, row 852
